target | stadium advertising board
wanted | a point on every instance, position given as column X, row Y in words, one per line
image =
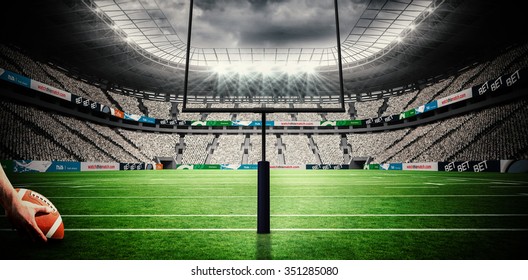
column 198, row 166
column 470, row 166
column 23, row 166
column 420, row 109
column 99, row 166
column 342, row 123
column 421, row 166
column 391, row 118
column 500, row 83
column 372, row 166
column 408, row 114
column 139, row 118
column 49, row 90
column 246, row 123
column 252, row 123
column 430, row 106
column 86, row 103
column 211, row 123
column 287, row 166
column 14, row 78
column 454, row 98
column 297, row 123
column 239, row 166
column 117, row 113
column 349, row 123
column 170, row 122
column 326, row 166
column 132, row 166
column 391, row 166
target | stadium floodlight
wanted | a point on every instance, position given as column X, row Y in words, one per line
column 230, row 77
column 264, row 68
column 221, row 69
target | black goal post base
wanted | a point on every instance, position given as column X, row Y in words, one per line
column 263, row 211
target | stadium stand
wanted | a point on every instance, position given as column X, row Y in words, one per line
column 475, row 135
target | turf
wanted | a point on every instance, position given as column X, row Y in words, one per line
column 315, row 214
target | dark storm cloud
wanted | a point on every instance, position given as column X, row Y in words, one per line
column 264, row 23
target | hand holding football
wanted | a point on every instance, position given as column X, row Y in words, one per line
column 50, row 223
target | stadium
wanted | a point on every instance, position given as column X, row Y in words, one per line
column 393, row 129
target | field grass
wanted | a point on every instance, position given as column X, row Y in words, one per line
column 315, row 214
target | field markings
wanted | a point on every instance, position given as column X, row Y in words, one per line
column 291, row 229
column 278, row 215
column 290, row 196
column 424, row 187
column 436, row 184
column 368, row 184
column 286, row 215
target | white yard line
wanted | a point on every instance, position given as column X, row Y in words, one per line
column 288, row 196
column 412, row 187
column 290, row 229
column 287, row 215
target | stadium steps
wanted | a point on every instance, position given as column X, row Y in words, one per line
column 393, row 144
column 211, row 147
column 315, row 149
column 345, row 148
column 118, row 132
column 40, row 131
column 469, row 82
column 452, row 130
column 383, row 107
column 496, row 125
column 83, row 137
column 412, row 100
column 513, row 65
column 114, row 142
column 438, row 93
column 280, row 150
column 246, row 146
column 112, row 100
column 142, row 107
column 180, row 148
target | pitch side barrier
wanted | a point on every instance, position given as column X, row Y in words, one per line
column 255, row 166
column 35, row 166
column 489, row 88
column 25, row 166
column 502, row 166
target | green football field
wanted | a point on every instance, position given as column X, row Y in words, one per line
column 315, row 214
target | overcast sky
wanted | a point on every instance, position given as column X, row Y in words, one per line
column 262, row 23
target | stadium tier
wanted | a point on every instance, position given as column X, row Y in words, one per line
column 493, row 129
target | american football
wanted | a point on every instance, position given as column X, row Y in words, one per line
column 51, row 224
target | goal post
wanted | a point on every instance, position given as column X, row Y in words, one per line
column 266, row 83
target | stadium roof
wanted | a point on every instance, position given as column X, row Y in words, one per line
column 160, row 28
column 136, row 45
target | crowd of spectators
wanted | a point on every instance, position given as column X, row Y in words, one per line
column 229, row 150
column 329, row 148
column 128, row 104
column 152, row 144
column 196, row 148
column 297, row 150
column 493, row 133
